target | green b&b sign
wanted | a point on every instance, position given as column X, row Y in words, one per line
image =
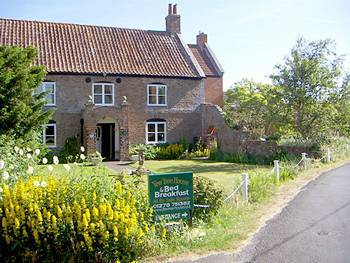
column 171, row 195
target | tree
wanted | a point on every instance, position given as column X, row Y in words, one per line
column 311, row 89
column 21, row 108
column 253, row 106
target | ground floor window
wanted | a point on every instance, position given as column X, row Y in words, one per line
column 156, row 132
column 49, row 135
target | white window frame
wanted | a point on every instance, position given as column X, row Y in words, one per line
column 103, row 94
column 157, row 94
column 43, row 89
column 44, row 134
column 156, row 132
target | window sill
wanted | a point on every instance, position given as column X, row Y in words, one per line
column 157, row 105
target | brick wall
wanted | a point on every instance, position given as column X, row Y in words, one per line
column 182, row 113
column 214, row 90
column 229, row 140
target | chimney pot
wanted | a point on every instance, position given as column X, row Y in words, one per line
column 175, row 9
column 170, row 9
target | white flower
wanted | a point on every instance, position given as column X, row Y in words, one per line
column 44, row 160
column 2, row 164
column 5, row 175
column 30, row 170
column 16, row 177
column 29, row 155
column 11, row 167
column 55, row 160
column 36, row 184
column 82, row 149
column 0, row 190
column 66, row 166
column 82, row 156
column 50, row 167
column 43, row 184
column 16, row 149
column 37, row 151
column 20, row 152
column 29, row 150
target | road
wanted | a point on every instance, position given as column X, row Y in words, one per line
column 314, row 227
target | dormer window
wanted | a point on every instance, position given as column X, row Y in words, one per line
column 50, row 89
column 103, row 94
column 156, row 95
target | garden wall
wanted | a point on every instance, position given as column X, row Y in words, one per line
column 229, row 140
column 266, row 148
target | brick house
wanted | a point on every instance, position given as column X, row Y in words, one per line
column 113, row 87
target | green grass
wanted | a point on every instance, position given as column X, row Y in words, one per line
column 75, row 169
column 226, row 174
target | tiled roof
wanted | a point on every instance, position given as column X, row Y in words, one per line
column 72, row 48
column 203, row 60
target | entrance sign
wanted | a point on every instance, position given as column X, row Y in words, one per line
column 171, row 195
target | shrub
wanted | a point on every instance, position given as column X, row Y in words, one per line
column 260, row 186
column 150, row 150
column 70, row 150
column 17, row 158
column 63, row 218
column 170, row 151
column 206, row 192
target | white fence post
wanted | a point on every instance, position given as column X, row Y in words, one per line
column 245, row 179
column 328, row 155
column 276, row 170
column 304, row 160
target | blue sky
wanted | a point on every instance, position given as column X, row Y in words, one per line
column 248, row 36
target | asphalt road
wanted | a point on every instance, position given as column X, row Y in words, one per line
column 314, row 227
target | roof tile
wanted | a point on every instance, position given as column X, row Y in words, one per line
column 72, row 48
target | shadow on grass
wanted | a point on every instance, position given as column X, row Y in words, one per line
column 199, row 166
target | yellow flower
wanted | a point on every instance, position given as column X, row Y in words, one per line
column 59, row 211
column 4, row 222
column 163, row 236
column 140, row 234
column 95, row 213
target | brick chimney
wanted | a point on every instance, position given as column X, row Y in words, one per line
column 202, row 39
column 172, row 20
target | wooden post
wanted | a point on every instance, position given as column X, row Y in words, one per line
column 328, row 158
column 304, row 158
column 276, row 170
column 245, row 179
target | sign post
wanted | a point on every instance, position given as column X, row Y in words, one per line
column 171, row 195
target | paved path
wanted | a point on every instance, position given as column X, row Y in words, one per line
column 314, row 227
column 119, row 166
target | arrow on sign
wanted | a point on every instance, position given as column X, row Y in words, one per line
column 184, row 214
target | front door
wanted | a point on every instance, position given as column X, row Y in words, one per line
column 106, row 140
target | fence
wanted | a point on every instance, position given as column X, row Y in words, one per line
column 303, row 164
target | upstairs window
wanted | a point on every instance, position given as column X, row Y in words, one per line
column 155, row 131
column 50, row 89
column 103, row 94
column 156, row 95
column 49, row 135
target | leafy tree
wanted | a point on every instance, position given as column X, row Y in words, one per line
column 21, row 109
column 310, row 85
column 253, row 106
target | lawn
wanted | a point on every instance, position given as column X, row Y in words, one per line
column 226, row 174
column 80, row 169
